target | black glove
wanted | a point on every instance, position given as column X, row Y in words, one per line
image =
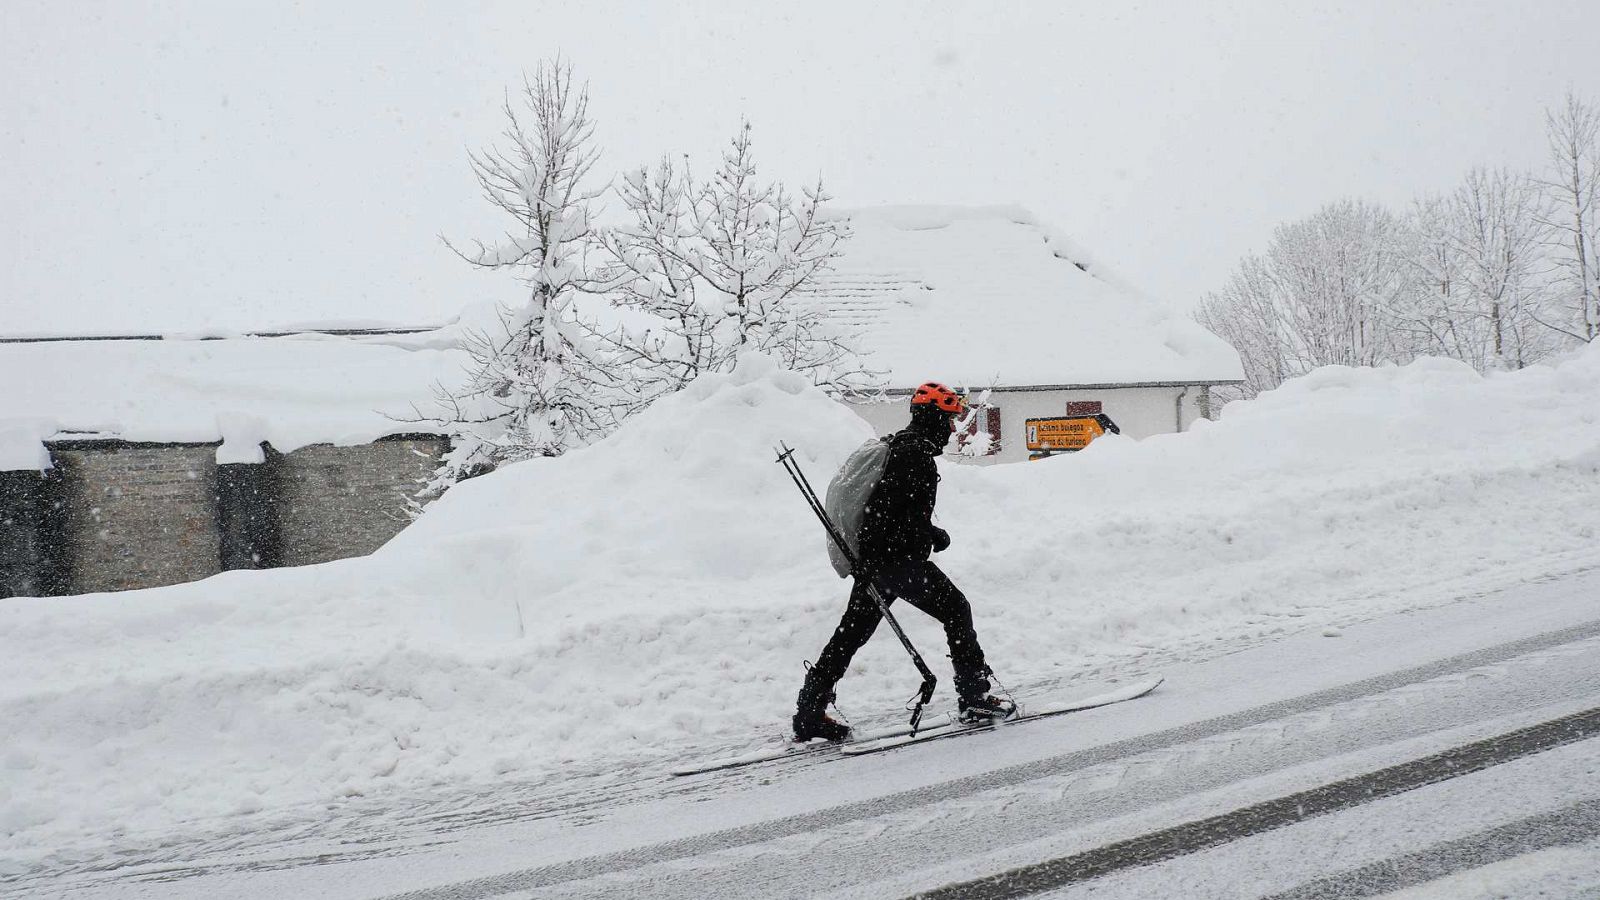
column 941, row 539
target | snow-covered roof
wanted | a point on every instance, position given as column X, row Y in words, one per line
column 986, row 295
column 290, row 391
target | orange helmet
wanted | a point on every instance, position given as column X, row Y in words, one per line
column 935, row 394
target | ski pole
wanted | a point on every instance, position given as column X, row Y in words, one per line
column 925, row 694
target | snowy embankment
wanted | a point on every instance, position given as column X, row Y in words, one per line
column 659, row 590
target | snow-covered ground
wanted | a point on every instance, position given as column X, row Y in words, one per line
column 1225, row 733
column 652, row 596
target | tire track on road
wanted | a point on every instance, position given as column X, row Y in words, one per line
column 1203, row 834
column 1575, row 824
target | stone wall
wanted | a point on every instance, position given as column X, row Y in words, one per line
column 114, row 515
column 138, row 516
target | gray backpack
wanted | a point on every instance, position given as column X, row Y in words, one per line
column 848, row 493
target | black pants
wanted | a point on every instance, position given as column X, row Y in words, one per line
column 928, row 589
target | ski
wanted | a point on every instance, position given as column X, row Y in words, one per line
column 942, row 722
column 887, row 738
column 956, row 729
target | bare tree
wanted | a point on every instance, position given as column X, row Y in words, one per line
column 1246, row 314
column 1429, row 318
column 1320, row 296
column 1494, row 225
column 714, row 269
column 533, row 387
column 667, row 337
column 1573, row 216
column 1498, row 273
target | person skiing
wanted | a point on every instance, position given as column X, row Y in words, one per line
column 896, row 538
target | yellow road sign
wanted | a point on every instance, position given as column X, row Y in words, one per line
column 1067, row 432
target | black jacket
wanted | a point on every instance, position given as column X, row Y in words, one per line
column 897, row 524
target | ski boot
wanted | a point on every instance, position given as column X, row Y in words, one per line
column 819, row 725
column 811, row 719
column 985, row 708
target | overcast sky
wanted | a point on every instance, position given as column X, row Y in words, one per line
column 219, row 164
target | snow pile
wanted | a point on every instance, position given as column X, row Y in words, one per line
column 655, row 593
column 22, row 442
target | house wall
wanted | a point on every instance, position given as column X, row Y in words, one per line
column 1140, row 412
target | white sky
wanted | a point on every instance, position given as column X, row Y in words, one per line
column 185, row 165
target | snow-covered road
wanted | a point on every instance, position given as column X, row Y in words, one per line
column 1227, row 739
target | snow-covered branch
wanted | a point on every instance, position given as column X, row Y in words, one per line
column 535, row 386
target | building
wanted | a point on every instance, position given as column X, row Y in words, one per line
column 985, row 298
column 142, row 461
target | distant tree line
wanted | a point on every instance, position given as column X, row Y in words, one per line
column 1499, row 273
column 694, row 273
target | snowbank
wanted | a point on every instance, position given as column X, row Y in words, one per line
column 657, row 591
